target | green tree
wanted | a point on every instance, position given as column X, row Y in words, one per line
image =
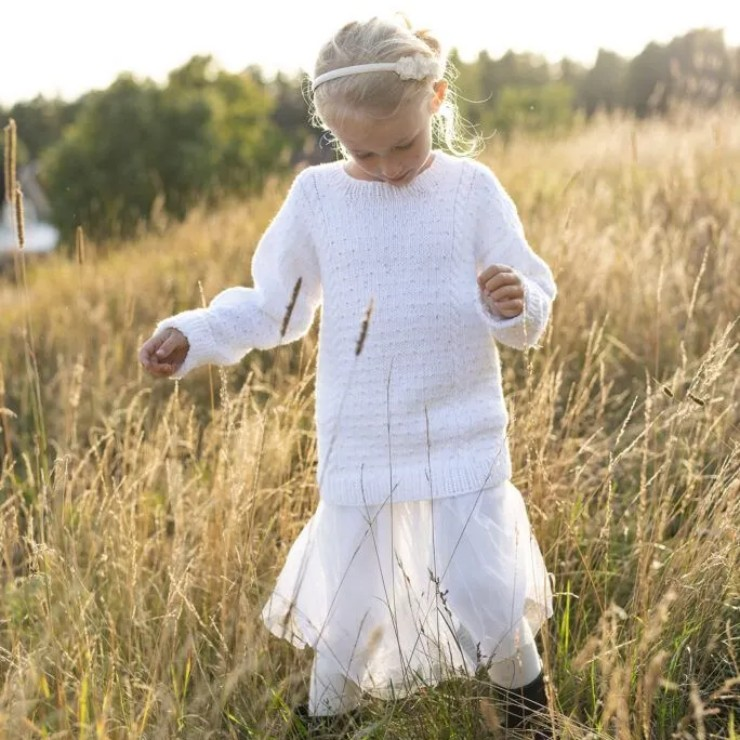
column 603, row 85
column 238, row 145
column 41, row 121
column 545, row 108
column 101, row 173
column 465, row 78
column 185, row 149
column 290, row 115
column 249, row 145
column 695, row 67
column 700, row 66
column 646, row 81
column 207, row 133
column 515, row 82
column 570, row 72
column 512, row 70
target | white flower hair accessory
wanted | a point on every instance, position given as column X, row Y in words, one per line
column 415, row 67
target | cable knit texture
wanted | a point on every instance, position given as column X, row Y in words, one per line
column 419, row 412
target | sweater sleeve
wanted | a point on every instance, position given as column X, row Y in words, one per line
column 240, row 319
column 499, row 239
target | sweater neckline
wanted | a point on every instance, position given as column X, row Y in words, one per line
column 420, row 184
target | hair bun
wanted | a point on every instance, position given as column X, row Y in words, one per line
column 425, row 35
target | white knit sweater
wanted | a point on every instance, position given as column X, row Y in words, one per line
column 420, row 412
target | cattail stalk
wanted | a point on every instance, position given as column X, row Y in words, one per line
column 20, row 224
column 14, row 195
column 80, row 245
column 10, row 161
column 291, row 306
column 363, row 329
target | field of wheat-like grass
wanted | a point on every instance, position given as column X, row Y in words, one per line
column 142, row 523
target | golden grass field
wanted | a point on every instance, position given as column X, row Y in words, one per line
column 142, row 524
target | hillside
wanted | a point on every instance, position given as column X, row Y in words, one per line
column 142, row 523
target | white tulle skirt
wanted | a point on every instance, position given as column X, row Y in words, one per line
column 398, row 596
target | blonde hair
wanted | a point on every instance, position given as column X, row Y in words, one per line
column 381, row 93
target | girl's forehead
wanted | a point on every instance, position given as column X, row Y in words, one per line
column 358, row 130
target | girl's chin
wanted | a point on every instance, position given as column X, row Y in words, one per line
column 399, row 180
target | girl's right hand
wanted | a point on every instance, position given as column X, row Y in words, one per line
column 164, row 353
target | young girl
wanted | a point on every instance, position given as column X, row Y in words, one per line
column 418, row 562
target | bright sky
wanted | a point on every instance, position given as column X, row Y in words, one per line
column 67, row 47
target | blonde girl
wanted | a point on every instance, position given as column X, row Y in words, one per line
column 419, row 561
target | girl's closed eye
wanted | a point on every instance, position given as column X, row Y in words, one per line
column 401, row 147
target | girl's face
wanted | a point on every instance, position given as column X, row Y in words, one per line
column 395, row 149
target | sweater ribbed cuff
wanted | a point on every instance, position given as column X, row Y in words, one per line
column 522, row 331
column 194, row 325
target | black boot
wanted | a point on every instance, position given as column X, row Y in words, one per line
column 525, row 702
column 320, row 725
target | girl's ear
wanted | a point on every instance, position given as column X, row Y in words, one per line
column 440, row 91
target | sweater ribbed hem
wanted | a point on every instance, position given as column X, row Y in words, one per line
column 373, row 486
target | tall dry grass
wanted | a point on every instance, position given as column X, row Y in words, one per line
column 140, row 541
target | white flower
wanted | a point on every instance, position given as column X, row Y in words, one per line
column 416, row 67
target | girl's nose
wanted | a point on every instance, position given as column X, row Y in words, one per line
column 392, row 172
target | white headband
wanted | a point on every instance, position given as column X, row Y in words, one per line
column 415, row 67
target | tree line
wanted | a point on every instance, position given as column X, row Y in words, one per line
column 113, row 158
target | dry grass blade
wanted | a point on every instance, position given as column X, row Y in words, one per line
column 5, row 416
column 149, row 544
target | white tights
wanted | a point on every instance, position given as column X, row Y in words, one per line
column 333, row 693
column 518, row 671
column 330, row 692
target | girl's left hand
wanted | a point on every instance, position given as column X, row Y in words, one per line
column 163, row 354
column 502, row 290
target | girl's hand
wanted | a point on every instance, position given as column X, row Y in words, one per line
column 164, row 353
column 503, row 291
